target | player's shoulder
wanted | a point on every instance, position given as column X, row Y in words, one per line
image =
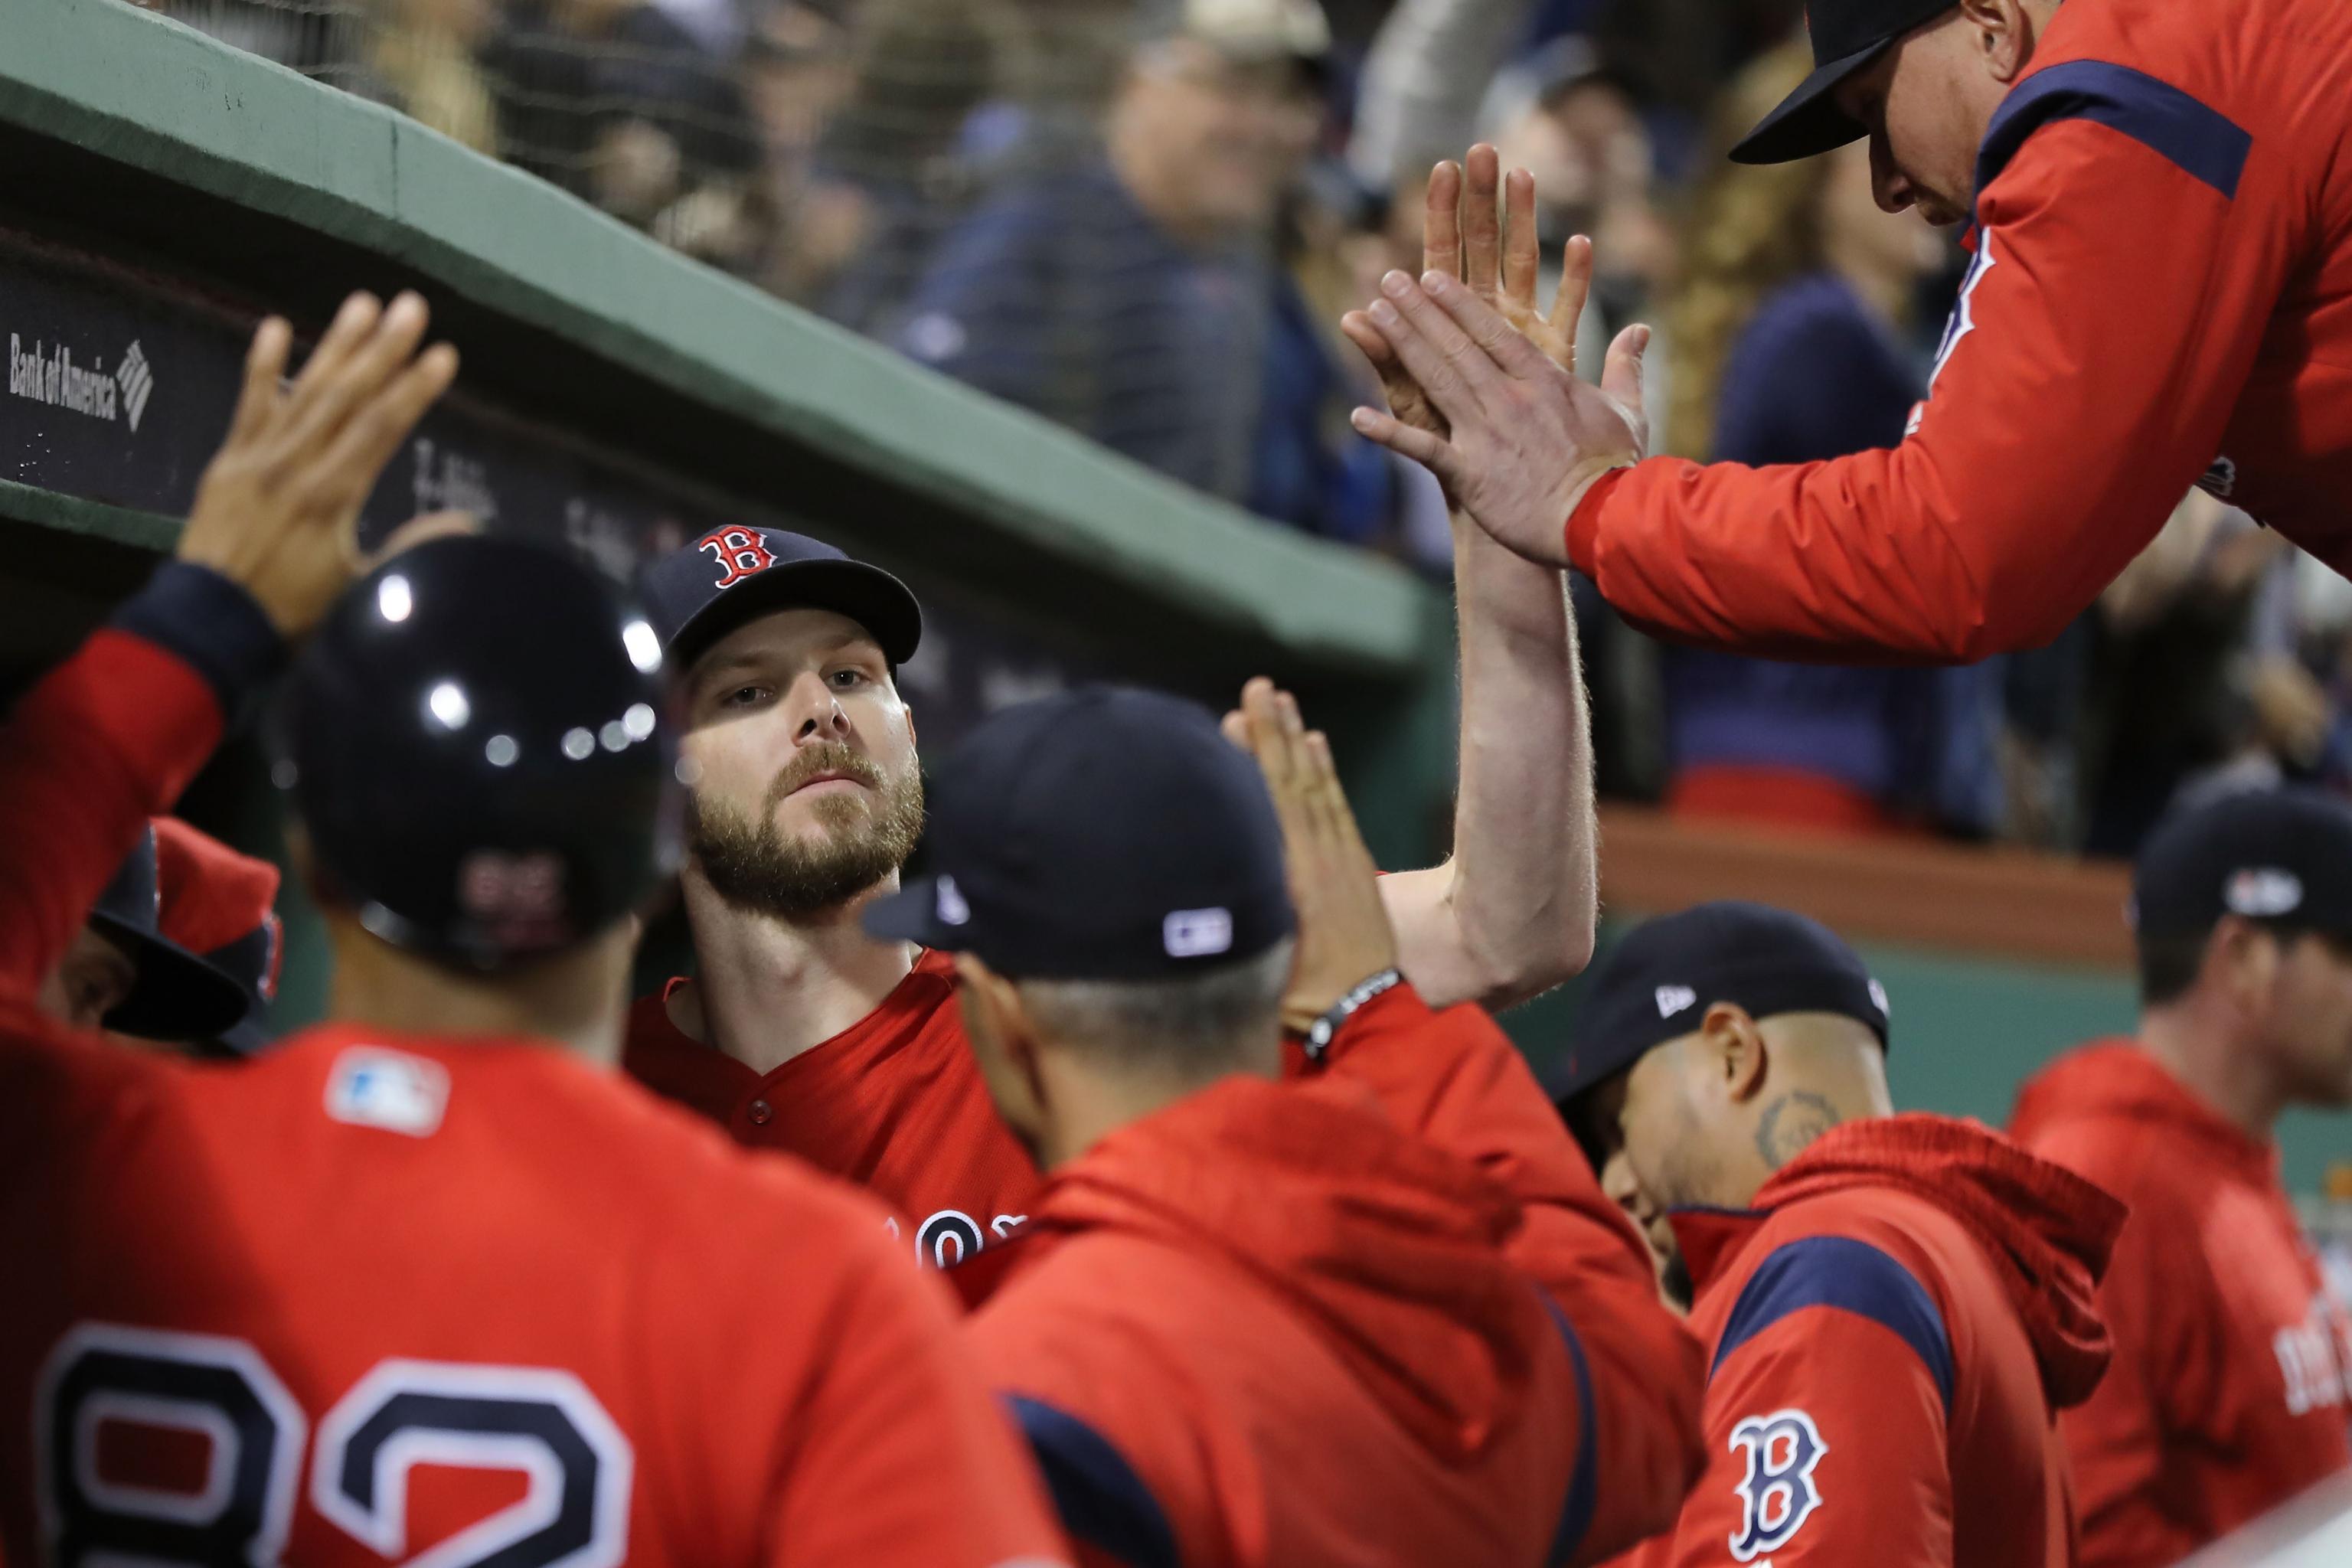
column 1872, row 1253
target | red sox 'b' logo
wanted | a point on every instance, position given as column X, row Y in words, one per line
column 739, row 552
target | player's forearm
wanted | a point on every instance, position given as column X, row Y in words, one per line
column 1519, row 900
column 107, row 740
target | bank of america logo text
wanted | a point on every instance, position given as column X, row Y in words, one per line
column 50, row 375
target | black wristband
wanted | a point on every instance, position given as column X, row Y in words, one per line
column 213, row 626
column 1320, row 1033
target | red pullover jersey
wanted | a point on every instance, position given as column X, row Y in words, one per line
column 2161, row 295
column 894, row 1103
column 1285, row 1324
column 1889, row 1332
column 2232, row 1381
column 373, row 1299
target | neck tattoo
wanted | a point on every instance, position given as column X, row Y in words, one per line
column 1790, row 1123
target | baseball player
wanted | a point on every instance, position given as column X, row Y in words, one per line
column 2232, row 1387
column 1892, row 1306
column 797, row 1033
column 430, row 1282
column 2160, row 296
column 1382, row 1316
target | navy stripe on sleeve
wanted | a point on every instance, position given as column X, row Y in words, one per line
column 1852, row 1277
column 2201, row 139
column 211, row 624
column 1101, row 1500
column 1584, row 1477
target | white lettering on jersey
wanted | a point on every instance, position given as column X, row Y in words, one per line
column 1777, row 1495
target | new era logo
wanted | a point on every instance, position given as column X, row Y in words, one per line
column 1673, row 999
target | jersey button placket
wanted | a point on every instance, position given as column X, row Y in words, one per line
column 759, row 1113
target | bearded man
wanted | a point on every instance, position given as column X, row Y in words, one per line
column 799, row 1032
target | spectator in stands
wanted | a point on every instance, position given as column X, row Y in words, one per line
column 1574, row 124
column 887, row 175
column 1786, row 337
column 2198, row 685
column 423, row 58
column 1128, row 298
column 618, row 102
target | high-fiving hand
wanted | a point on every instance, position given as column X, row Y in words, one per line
column 277, row 509
column 1481, row 386
column 1344, row 934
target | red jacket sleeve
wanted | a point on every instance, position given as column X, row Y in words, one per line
column 903, row 1455
column 2119, row 293
column 1825, row 1419
column 1454, row 1078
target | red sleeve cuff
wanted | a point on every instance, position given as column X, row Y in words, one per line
column 1584, row 523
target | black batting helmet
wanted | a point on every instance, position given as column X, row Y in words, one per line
column 477, row 753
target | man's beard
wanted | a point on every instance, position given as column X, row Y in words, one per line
column 756, row 868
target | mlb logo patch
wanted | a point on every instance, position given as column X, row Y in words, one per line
column 2256, row 891
column 1673, row 999
column 371, row 1086
column 1197, row 933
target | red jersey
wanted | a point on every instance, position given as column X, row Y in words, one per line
column 2233, row 1383
column 2161, row 296
column 396, row 1296
column 1284, row 1324
column 1889, row 1332
column 894, row 1103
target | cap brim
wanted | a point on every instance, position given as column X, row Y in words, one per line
column 912, row 914
column 1808, row 122
column 248, row 1037
column 176, row 994
column 872, row 597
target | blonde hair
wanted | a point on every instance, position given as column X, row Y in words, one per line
column 1748, row 230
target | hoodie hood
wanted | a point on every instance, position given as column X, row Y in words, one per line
column 1391, row 1249
column 2047, row 1231
column 2115, row 1080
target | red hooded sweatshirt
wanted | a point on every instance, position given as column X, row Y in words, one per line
column 2233, row 1360
column 2161, row 296
column 1277, row 1324
column 1890, row 1330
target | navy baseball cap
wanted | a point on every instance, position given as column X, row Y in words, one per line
column 2283, row 855
column 1847, row 36
column 1104, row 833
column 175, row 995
column 696, row 594
column 1659, row 982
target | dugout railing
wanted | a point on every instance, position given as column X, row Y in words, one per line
column 165, row 191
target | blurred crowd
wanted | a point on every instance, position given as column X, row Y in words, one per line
column 1143, row 219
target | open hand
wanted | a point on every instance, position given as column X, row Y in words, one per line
column 1481, row 386
column 1344, row 935
column 277, row 509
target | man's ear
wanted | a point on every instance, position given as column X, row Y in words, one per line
column 1734, row 1048
column 1000, row 1025
column 2243, row 958
column 2002, row 33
